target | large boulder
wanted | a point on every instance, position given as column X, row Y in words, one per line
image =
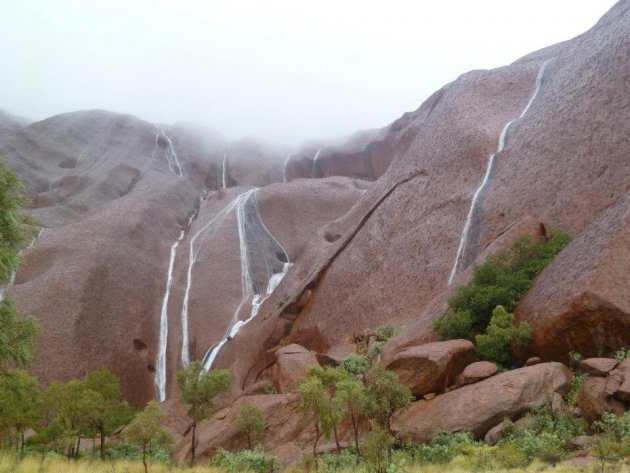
column 581, row 302
column 598, row 366
column 478, row 371
column 292, row 366
column 283, row 424
column 619, row 381
column 593, row 400
column 476, row 408
column 432, row 367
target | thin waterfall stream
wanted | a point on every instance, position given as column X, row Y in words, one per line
column 486, row 178
column 169, row 152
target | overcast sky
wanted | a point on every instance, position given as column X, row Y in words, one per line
column 284, row 71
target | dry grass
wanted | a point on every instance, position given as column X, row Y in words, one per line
column 11, row 464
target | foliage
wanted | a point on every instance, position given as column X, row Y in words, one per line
column 255, row 461
column 20, row 402
column 385, row 396
column 376, row 447
column 198, row 391
column 503, row 279
column 199, row 388
column 386, row 332
column 622, row 354
column 617, row 427
column 16, row 335
column 332, row 463
column 146, row 429
column 315, row 408
column 494, row 345
column 355, row 364
column 251, row 421
column 123, row 450
column 442, row 448
column 353, row 400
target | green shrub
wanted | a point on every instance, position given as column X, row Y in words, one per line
column 124, row 450
column 442, row 448
column 622, row 354
column 386, row 332
column 616, row 427
column 356, row 364
column 376, row 447
column 503, row 279
column 255, row 461
column 494, row 345
column 330, row 462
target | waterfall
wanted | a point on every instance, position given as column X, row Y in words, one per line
column 259, row 252
column 284, row 169
column 223, row 172
column 486, row 177
column 169, row 153
column 193, row 252
column 160, row 375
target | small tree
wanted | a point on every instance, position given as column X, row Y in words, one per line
column 385, row 396
column 251, row 421
column 330, row 377
column 198, row 390
column 109, row 410
column 353, row 399
column 494, row 345
column 146, row 429
column 20, row 403
column 376, row 445
column 314, row 407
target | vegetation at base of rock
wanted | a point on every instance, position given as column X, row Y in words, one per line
column 385, row 396
column 146, row 429
column 251, row 422
column 495, row 344
column 502, row 280
column 254, row 461
column 356, row 364
column 198, row 390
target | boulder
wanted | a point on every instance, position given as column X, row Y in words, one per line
column 593, row 400
column 534, row 360
column 618, row 383
column 292, row 367
column 431, row 367
column 495, row 434
column 478, row 371
column 283, row 424
column 580, row 301
column 478, row 407
column 598, row 366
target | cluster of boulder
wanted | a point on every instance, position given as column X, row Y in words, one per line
column 453, row 392
column 606, row 387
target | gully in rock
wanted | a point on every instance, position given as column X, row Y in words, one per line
column 486, row 178
column 264, row 262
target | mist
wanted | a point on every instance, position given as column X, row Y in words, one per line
column 282, row 71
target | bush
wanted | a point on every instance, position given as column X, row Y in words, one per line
column 494, row 345
column 356, row 364
column 442, row 448
column 622, row 354
column 124, row 450
column 330, row 463
column 386, row 332
column 503, row 279
column 376, row 448
column 255, row 461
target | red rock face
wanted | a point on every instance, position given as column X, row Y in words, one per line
column 115, row 198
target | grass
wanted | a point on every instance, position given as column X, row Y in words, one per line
column 9, row 463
